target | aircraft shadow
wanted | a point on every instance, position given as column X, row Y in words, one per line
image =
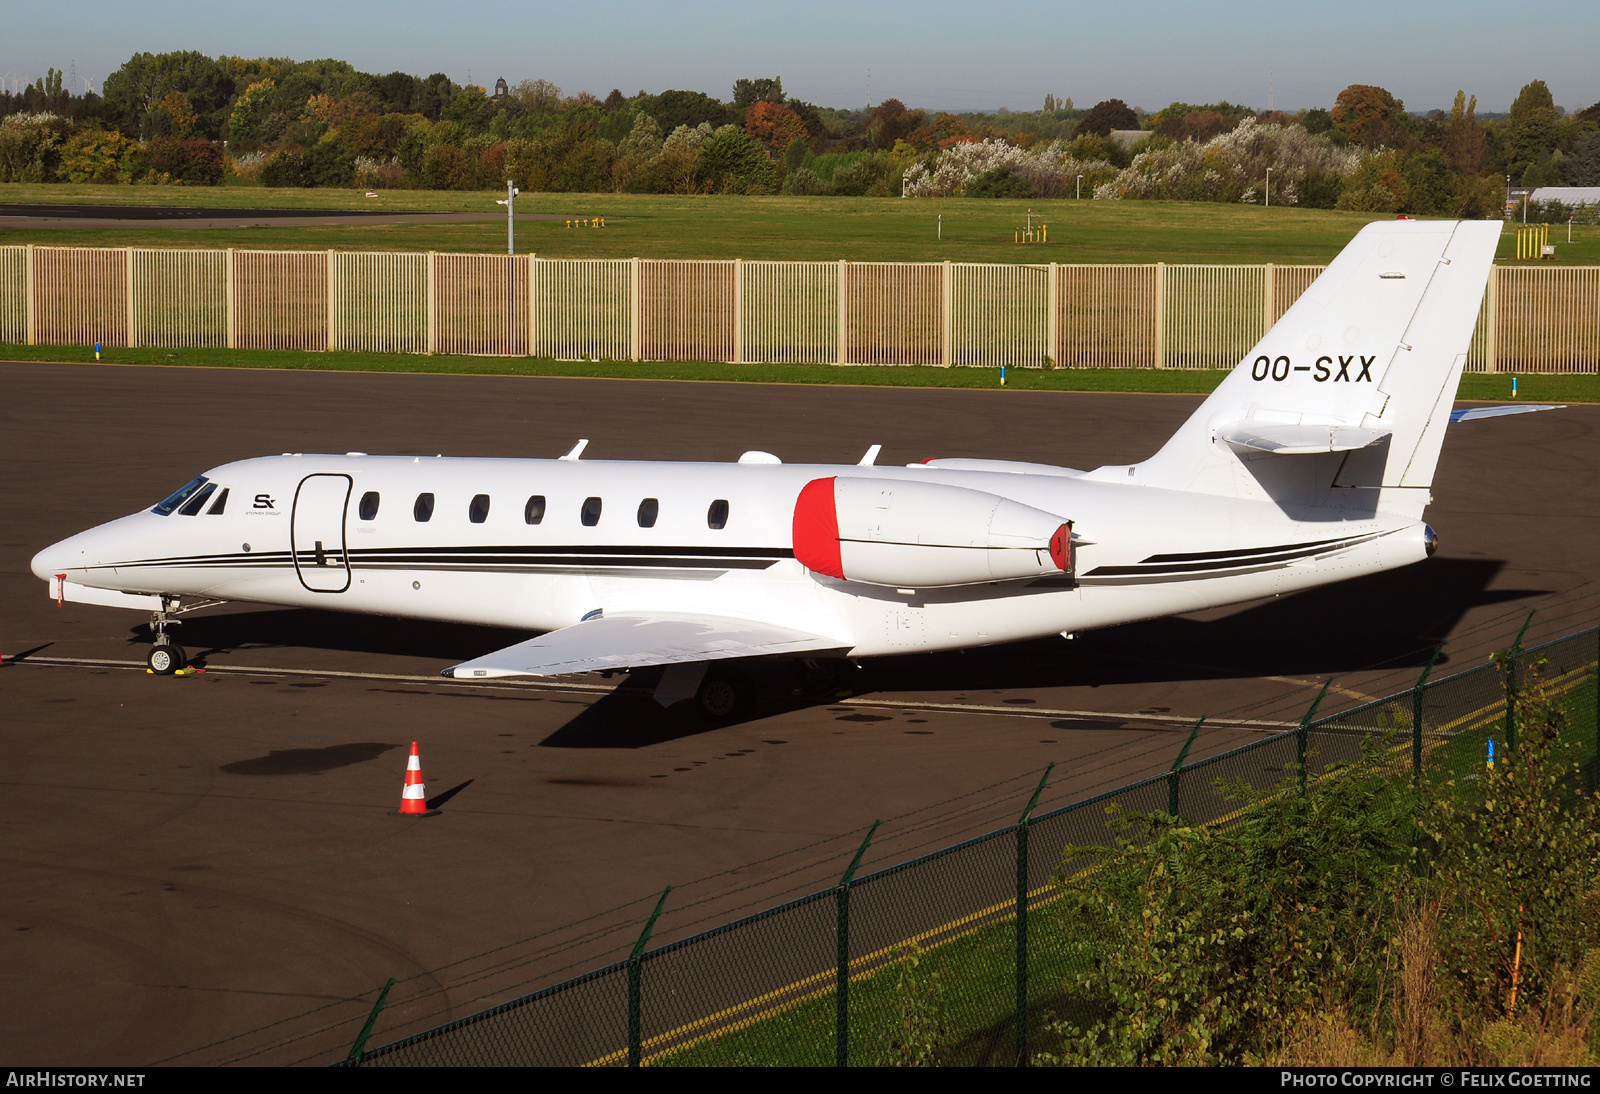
column 1387, row 620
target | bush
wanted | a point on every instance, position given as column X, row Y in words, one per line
column 191, row 161
column 998, row 182
column 292, row 168
column 31, row 147
column 97, row 155
column 804, row 182
column 331, row 164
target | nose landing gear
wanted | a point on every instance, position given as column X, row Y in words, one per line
column 167, row 657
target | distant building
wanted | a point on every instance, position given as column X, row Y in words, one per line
column 501, row 89
column 1568, row 195
column 1126, row 137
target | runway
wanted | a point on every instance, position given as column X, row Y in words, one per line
column 13, row 215
column 196, row 865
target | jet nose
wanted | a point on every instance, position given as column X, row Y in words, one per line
column 59, row 558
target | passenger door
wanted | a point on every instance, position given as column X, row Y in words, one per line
column 316, row 535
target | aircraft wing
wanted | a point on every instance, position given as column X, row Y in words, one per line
column 632, row 640
column 1469, row 414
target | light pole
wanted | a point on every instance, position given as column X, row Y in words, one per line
column 511, row 223
column 1269, row 188
column 1080, row 187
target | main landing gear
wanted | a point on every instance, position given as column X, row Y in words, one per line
column 725, row 695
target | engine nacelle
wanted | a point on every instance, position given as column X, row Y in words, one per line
column 923, row 535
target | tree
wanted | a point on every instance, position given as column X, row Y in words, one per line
column 891, row 122
column 1530, row 135
column 1582, row 167
column 1463, row 139
column 746, row 93
column 1105, row 116
column 774, row 125
column 1361, row 112
column 731, row 162
column 146, row 79
column 98, row 155
column 539, row 96
column 613, row 101
column 251, row 111
column 192, row 162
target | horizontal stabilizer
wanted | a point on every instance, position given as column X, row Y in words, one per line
column 1470, row 414
column 1294, row 440
column 634, row 640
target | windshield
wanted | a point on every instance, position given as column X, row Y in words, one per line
column 166, row 508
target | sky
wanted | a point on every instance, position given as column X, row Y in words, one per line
column 940, row 55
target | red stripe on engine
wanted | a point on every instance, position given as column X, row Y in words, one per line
column 816, row 529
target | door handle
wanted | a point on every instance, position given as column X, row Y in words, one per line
column 322, row 558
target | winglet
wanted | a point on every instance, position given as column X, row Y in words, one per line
column 871, row 457
column 576, row 451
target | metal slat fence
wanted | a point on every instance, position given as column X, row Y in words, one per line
column 1534, row 319
column 827, row 979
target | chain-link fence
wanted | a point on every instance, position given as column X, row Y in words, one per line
column 964, row 954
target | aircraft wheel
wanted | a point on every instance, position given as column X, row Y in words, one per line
column 725, row 695
column 825, row 677
column 165, row 659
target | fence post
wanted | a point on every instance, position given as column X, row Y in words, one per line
column 947, row 314
column 844, row 316
column 27, row 290
column 635, row 967
column 433, row 322
column 533, row 306
column 1300, row 737
column 127, row 254
column 1177, row 767
column 1267, row 303
column 1491, row 330
column 738, row 311
column 233, row 339
column 1022, row 917
column 1594, row 777
column 1416, row 715
column 1511, row 683
column 1161, row 315
column 1052, row 321
column 841, row 1036
column 359, row 1045
column 333, row 342
column 635, row 311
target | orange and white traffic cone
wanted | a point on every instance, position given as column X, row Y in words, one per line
column 414, row 798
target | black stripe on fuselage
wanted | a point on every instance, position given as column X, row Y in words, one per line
column 532, row 558
column 1202, row 564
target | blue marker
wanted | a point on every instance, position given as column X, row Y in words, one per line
column 97, row 351
column 1491, row 753
column 1002, row 376
column 1513, row 387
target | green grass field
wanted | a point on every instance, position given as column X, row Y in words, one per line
column 856, row 229
column 1474, row 387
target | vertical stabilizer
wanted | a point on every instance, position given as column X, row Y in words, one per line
column 1344, row 403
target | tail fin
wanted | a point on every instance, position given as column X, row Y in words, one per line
column 1344, row 403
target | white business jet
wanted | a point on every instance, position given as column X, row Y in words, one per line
column 1311, row 463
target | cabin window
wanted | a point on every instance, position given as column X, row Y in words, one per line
column 166, row 508
column 591, row 512
column 219, row 505
column 422, row 511
column 533, row 512
column 649, row 509
column 717, row 515
column 194, row 504
column 478, row 511
column 369, row 505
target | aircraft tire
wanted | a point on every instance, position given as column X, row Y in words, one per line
column 165, row 659
column 725, row 695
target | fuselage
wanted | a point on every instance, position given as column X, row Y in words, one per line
column 541, row 544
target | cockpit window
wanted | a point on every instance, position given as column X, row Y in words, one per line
column 196, row 503
column 166, row 508
column 219, row 505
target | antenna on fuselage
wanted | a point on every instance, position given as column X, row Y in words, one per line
column 576, row 451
